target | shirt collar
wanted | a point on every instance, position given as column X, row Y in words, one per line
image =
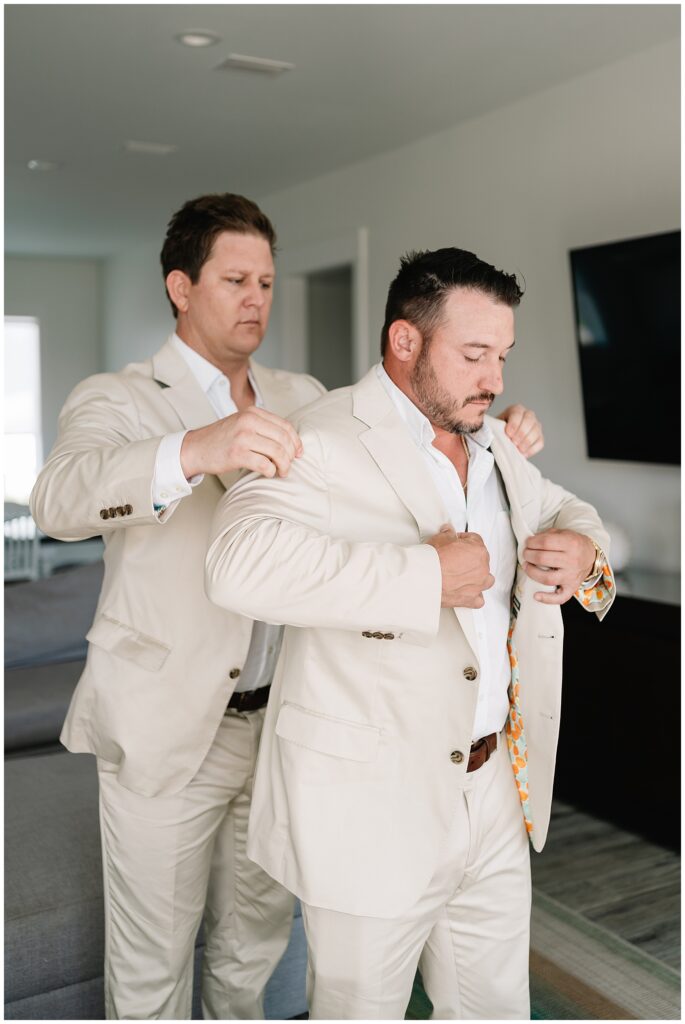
column 204, row 372
column 418, row 424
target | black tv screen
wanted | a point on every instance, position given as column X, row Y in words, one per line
column 627, row 306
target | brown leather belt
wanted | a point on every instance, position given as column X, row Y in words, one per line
column 249, row 700
column 481, row 751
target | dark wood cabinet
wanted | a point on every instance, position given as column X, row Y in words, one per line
column 619, row 743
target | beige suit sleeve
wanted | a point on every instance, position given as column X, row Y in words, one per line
column 271, row 557
column 99, row 461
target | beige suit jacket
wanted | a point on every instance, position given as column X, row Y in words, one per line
column 157, row 676
column 373, row 692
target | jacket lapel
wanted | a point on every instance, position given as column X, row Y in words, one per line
column 392, row 449
column 180, row 389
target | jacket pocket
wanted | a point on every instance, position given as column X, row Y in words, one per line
column 326, row 735
column 126, row 642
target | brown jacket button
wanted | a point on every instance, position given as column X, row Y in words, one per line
column 388, row 636
column 234, row 673
column 104, row 513
column 121, row 511
column 377, row 636
column 128, row 509
column 470, row 673
column 456, row 757
column 366, row 633
column 112, row 513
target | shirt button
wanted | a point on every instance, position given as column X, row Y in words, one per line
column 164, row 494
column 456, row 757
column 470, row 673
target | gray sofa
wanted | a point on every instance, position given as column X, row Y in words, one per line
column 54, row 926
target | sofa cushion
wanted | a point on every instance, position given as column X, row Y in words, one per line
column 54, row 918
column 47, row 620
column 36, row 702
column 54, row 924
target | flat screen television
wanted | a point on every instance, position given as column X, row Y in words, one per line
column 627, row 308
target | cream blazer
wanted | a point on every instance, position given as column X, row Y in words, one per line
column 374, row 689
column 160, row 656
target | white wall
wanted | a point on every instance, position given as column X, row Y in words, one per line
column 593, row 160
column 136, row 316
column 65, row 296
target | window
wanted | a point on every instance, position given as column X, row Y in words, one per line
column 23, row 442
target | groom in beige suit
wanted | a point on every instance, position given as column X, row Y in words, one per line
column 169, row 701
column 418, row 562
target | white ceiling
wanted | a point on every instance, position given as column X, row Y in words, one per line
column 81, row 79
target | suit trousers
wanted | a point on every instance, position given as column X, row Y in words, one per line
column 168, row 859
column 469, row 932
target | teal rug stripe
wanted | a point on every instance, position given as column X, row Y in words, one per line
column 620, row 947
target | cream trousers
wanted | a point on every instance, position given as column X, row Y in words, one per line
column 469, row 933
column 168, row 859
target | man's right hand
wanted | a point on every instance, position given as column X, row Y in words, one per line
column 252, row 439
column 465, row 565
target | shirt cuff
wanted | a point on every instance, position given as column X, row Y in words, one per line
column 595, row 594
column 169, row 483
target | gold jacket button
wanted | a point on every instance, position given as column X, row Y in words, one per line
column 470, row 673
column 104, row 513
column 234, row 673
column 456, row 757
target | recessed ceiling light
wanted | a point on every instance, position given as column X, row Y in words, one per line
column 197, row 38
column 241, row 62
column 42, row 165
column 150, row 148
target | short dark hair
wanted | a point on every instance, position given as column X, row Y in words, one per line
column 193, row 229
column 425, row 278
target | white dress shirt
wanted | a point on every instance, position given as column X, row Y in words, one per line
column 484, row 509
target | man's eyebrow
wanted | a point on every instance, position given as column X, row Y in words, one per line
column 244, row 273
column 484, row 344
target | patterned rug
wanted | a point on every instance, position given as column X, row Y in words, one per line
column 580, row 971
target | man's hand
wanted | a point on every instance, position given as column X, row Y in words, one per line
column 562, row 558
column 524, row 429
column 465, row 565
column 253, row 439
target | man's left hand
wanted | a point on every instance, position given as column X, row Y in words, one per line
column 524, row 429
column 562, row 558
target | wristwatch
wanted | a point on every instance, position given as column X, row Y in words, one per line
column 597, row 565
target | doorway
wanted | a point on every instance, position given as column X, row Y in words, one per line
column 329, row 326
column 322, row 315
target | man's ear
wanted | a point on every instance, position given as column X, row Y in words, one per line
column 178, row 286
column 404, row 341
